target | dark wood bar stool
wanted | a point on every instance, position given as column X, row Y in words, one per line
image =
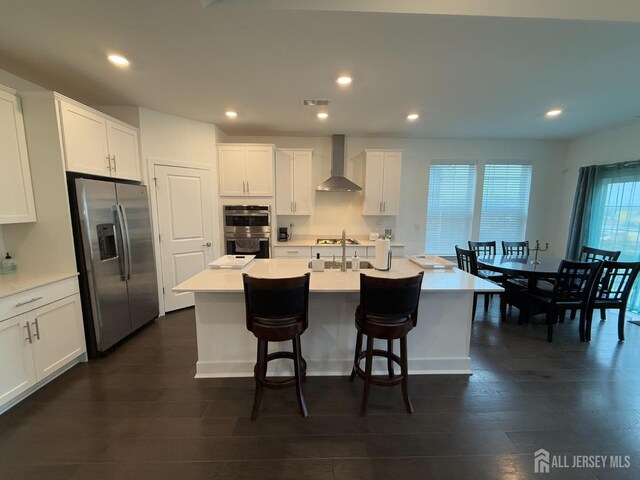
column 277, row 311
column 388, row 310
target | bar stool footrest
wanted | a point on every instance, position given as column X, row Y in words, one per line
column 375, row 379
column 284, row 382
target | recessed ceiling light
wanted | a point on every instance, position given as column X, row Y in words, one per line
column 323, row 115
column 118, row 60
column 413, row 117
column 344, row 80
column 554, row 113
column 231, row 114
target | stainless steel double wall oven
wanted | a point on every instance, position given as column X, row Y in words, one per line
column 247, row 230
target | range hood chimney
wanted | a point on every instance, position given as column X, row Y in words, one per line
column 337, row 182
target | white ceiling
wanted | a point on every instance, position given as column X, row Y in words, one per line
column 468, row 76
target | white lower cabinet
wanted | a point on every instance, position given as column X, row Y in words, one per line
column 36, row 344
column 292, row 252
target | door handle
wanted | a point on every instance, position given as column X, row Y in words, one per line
column 37, row 334
column 115, row 165
column 126, row 238
column 208, row 244
column 29, row 339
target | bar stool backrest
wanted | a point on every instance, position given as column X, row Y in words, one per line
column 390, row 300
column 467, row 260
column 276, row 303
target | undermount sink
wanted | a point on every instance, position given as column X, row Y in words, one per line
column 331, row 265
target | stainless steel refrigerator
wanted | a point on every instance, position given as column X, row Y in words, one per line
column 114, row 251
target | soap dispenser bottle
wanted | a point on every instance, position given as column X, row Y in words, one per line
column 355, row 262
column 9, row 265
column 317, row 264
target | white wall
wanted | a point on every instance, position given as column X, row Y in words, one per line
column 173, row 140
column 615, row 145
column 334, row 211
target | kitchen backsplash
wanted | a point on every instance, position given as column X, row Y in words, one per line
column 334, row 211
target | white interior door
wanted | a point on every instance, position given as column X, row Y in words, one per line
column 185, row 224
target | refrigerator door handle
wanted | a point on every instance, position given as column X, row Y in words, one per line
column 126, row 242
column 120, row 251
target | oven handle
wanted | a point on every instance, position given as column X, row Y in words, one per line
column 245, row 213
column 261, row 239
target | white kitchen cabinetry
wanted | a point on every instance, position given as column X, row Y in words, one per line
column 293, row 182
column 39, row 342
column 291, row 252
column 382, row 182
column 96, row 144
column 245, row 170
column 16, row 192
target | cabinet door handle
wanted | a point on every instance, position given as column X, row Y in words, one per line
column 380, row 210
column 28, row 333
column 208, row 244
column 293, row 251
column 384, row 207
column 247, row 187
column 295, row 207
column 108, row 157
column 37, row 327
column 115, row 165
column 34, row 299
column 243, row 188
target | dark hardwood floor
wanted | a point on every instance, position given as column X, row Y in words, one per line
column 139, row 414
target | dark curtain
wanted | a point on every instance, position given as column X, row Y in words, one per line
column 582, row 210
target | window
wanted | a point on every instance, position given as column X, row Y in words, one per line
column 450, row 206
column 505, row 202
column 455, row 215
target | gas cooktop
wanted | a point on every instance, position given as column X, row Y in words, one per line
column 336, row 241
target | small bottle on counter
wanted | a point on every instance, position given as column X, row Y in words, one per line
column 355, row 262
column 317, row 264
column 9, row 265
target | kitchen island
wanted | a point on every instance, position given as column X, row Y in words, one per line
column 438, row 345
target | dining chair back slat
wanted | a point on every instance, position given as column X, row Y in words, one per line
column 590, row 254
column 515, row 248
column 483, row 248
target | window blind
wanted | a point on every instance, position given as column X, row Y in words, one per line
column 505, row 202
column 449, row 207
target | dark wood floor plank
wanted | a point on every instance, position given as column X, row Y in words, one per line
column 139, row 413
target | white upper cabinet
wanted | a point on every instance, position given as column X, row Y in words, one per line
column 16, row 192
column 95, row 144
column 294, row 194
column 245, row 170
column 382, row 182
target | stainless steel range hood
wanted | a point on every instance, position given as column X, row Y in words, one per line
column 337, row 182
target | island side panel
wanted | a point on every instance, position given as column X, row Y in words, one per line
column 438, row 345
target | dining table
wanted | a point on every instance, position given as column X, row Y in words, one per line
column 522, row 266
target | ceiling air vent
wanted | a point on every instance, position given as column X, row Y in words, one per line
column 315, row 103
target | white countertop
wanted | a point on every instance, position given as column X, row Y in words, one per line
column 22, row 281
column 211, row 280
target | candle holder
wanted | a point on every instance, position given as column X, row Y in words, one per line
column 537, row 249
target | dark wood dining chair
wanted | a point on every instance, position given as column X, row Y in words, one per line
column 515, row 248
column 611, row 291
column 571, row 289
column 277, row 311
column 468, row 262
column 388, row 310
column 482, row 249
column 590, row 254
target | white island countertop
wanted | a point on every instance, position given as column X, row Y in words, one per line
column 228, row 280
